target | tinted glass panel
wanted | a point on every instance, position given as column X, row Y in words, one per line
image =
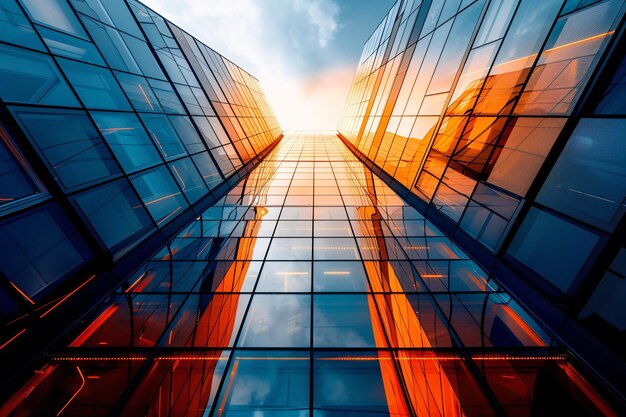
column 96, row 86
column 116, row 200
column 70, row 144
column 29, row 77
column 128, row 140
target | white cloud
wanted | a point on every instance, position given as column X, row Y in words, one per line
column 323, row 15
column 285, row 44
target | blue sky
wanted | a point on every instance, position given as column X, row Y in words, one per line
column 304, row 52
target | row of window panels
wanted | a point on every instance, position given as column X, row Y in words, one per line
column 330, row 383
column 603, row 15
column 320, row 321
column 98, row 89
column 163, row 193
column 96, row 86
column 182, row 276
column 115, row 43
column 569, row 53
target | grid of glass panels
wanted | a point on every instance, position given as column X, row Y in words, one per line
column 475, row 106
column 109, row 99
column 311, row 288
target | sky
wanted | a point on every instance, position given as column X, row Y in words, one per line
column 304, row 52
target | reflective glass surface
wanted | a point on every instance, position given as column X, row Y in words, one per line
column 392, row 320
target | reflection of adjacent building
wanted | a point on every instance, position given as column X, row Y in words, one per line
column 155, row 311
column 438, row 382
column 509, row 139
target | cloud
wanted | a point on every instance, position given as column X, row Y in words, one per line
column 288, row 45
column 323, row 15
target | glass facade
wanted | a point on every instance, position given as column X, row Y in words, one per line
column 310, row 288
column 113, row 124
column 502, row 121
column 456, row 250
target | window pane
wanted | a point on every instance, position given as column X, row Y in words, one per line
column 128, row 140
column 163, row 135
column 167, row 97
column 115, row 201
column 291, row 310
column 71, row 47
column 207, row 169
column 15, row 182
column 206, row 130
column 70, row 144
column 39, row 248
column 356, row 384
column 588, row 181
column 613, row 101
column 266, row 383
column 139, row 92
column 187, row 133
column 339, row 276
column 15, row 28
column 343, row 320
column 96, row 86
column 552, row 247
column 29, row 77
column 160, row 194
column 56, row 14
column 525, row 144
column 285, row 277
column 189, row 179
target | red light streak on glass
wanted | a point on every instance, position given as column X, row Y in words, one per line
column 12, row 339
column 179, row 177
column 27, row 298
column 159, row 143
column 94, row 326
column 76, row 393
column 168, row 216
column 67, row 296
column 145, row 96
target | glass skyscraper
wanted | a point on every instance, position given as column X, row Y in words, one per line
column 457, row 250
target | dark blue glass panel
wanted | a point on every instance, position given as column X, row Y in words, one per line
column 588, row 181
column 167, row 97
column 56, row 14
column 266, row 383
column 207, row 169
column 39, row 248
column 189, row 180
column 15, row 182
column 139, row 92
column 160, row 194
column 358, row 377
column 112, row 46
column 163, row 135
column 187, row 133
column 15, row 27
column 96, row 86
column 552, row 247
column 143, row 56
column 70, row 144
column 111, row 12
column 342, row 320
column 128, row 140
column 613, row 100
column 29, row 77
column 71, row 47
column 117, row 201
